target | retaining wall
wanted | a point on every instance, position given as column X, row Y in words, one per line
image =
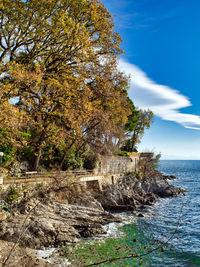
column 109, row 170
column 117, row 164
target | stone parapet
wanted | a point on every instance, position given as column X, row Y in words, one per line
column 118, row 164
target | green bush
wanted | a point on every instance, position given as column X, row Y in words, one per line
column 123, row 154
column 138, row 175
column 13, row 194
column 73, row 160
column 90, row 161
column 27, row 154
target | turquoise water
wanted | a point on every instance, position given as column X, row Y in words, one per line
column 175, row 221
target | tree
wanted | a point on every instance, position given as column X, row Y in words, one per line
column 10, row 138
column 138, row 121
column 109, row 109
column 52, row 56
column 109, row 88
column 69, row 30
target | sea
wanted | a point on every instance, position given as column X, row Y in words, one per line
column 169, row 232
column 180, row 214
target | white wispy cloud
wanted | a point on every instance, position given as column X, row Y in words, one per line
column 129, row 14
column 164, row 101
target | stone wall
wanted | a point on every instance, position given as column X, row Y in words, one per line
column 117, row 164
column 109, row 170
column 114, row 167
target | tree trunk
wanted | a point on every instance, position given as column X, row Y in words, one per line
column 63, row 160
column 38, row 153
column 65, row 155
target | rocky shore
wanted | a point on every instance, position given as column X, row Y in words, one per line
column 49, row 220
column 131, row 193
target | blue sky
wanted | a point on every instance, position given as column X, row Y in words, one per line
column 161, row 40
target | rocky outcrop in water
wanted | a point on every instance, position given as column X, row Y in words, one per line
column 131, row 193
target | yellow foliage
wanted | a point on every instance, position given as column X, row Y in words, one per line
column 58, row 61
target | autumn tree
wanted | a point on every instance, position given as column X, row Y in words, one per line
column 109, row 109
column 109, row 91
column 49, row 51
column 10, row 138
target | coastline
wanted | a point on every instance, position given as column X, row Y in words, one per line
column 57, row 222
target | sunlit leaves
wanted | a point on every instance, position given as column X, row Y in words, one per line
column 58, row 61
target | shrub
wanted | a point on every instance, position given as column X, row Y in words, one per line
column 138, row 175
column 90, row 161
column 73, row 160
column 13, row 194
column 123, row 153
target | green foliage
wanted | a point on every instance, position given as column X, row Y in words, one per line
column 26, row 135
column 90, row 161
column 47, row 151
column 73, row 160
column 138, row 122
column 132, row 118
column 13, row 194
column 138, row 175
column 3, row 132
column 27, row 153
column 6, row 147
column 9, row 153
column 123, row 153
